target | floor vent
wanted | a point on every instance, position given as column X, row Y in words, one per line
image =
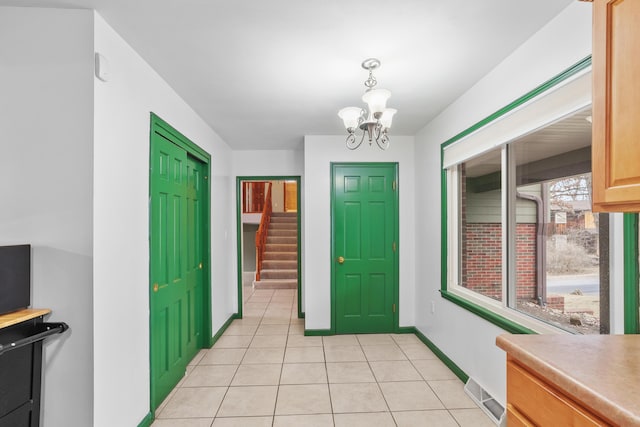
column 488, row 404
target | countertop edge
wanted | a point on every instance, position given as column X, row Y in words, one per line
column 565, row 382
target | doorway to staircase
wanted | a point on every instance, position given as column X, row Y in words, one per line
column 268, row 236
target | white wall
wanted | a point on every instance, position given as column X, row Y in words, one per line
column 319, row 153
column 46, row 111
column 121, row 224
column 268, row 163
column 46, row 170
column 467, row 339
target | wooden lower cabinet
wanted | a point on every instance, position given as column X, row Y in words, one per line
column 532, row 401
column 516, row 419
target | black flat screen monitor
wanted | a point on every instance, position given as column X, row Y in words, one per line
column 15, row 278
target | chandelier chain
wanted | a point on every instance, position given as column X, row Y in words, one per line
column 371, row 81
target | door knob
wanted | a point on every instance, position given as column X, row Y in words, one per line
column 155, row 287
column 340, row 260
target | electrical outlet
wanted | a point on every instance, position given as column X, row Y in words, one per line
column 433, row 307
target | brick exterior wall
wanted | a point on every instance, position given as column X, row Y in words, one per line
column 482, row 259
column 526, row 286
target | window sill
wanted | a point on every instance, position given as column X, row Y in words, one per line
column 508, row 319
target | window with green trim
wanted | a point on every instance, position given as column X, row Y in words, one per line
column 522, row 242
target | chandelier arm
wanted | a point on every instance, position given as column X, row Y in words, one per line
column 364, row 132
column 351, row 141
column 377, row 130
column 383, row 141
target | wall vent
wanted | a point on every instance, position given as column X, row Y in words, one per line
column 486, row 402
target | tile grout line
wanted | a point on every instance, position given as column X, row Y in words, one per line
column 326, row 371
column 427, row 382
column 376, row 380
column 233, row 377
column 273, row 418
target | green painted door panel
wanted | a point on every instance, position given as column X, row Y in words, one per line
column 194, row 259
column 169, row 304
column 364, row 226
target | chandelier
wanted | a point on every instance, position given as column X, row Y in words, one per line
column 375, row 120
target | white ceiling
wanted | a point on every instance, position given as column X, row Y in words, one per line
column 263, row 73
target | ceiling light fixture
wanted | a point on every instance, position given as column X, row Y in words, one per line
column 375, row 120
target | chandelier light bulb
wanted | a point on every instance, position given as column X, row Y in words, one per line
column 350, row 116
column 387, row 117
column 376, row 99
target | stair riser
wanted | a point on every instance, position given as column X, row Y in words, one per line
column 280, row 256
column 280, row 265
column 282, row 226
column 281, row 248
column 282, row 240
column 276, row 284
column 279, row 274
column 282, row 233
column 282, row 220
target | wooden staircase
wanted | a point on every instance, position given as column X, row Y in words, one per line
column 280, row 262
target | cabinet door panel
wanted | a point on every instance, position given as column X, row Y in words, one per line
column 616, row 105
column 542, row 404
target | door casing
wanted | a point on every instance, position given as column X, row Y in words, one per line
column 334, row 255
column 239, row 181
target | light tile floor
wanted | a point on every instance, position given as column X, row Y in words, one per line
column 263, row 371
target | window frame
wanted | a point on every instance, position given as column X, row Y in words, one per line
column 496, row 312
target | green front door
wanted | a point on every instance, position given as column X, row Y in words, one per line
column 176, row 240
column 365, row 223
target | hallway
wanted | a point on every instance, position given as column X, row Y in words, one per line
column 264, row 372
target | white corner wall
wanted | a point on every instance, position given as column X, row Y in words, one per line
column 46, row 168
column 319, row 152
column 121, row 224
column 465, row 338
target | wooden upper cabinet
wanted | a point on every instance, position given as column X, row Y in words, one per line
column 616, row 106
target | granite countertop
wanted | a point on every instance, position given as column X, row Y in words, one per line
column 601, row 372
column 19, row 316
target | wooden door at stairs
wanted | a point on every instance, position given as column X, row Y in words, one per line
column 290, row 196
column 365, row 223
column 176, row 263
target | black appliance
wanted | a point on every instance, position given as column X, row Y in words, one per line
column 15, row 277
column 22, row 332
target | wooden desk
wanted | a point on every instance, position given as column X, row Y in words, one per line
column 20, row 316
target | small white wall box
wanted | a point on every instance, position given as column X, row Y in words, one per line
column 101, row 67
column 488, row 404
